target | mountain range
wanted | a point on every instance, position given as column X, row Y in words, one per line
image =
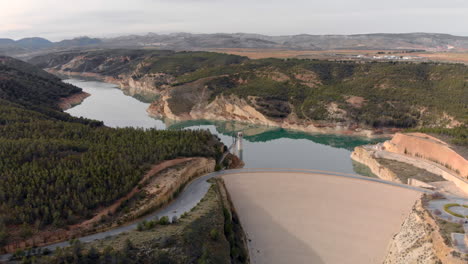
column 189, row 41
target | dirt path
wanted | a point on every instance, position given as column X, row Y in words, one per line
column 112, row 208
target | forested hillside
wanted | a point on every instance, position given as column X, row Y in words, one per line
column 372, row 94
column 56, row 169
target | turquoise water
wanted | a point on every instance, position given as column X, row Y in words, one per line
column 263, row 147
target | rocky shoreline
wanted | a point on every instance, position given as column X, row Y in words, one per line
column 236, row 109
column 73, row 100
column 223, row 109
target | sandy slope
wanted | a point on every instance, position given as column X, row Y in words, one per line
column 313, row 218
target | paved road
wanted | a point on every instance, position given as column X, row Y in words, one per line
column 195, row 191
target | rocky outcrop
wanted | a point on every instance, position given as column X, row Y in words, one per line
column 69, row 102
column 227, row 108
column 420, row 241
column 365, row 155
column 144, row 87
column 168, row 184
column 429, row 153
column 430, row 148
column 238, row 239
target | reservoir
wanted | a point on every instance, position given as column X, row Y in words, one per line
column 263, row 147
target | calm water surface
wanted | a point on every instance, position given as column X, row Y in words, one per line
column 264, row 147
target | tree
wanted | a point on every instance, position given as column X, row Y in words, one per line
column 92, row 254
column 128, row 247
column 3, row 233
column 25, row 231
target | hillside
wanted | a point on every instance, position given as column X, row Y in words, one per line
column 57, row 170
column 209, row 233
column 299, row 94
column 28, row 85
column 23, row 46
column 189, row 41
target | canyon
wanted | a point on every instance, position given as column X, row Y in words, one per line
column 304, row 95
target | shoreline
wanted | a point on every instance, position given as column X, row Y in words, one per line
column 300, row 126
column 296, row 128
column 71, row 101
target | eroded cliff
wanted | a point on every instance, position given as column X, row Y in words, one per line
column 420, row 241
column 365, row 155
column 430, row 148
column 440, row 165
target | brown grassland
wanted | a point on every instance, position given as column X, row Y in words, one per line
column 456, row 56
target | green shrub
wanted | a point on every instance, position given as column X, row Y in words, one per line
column 214, row 234
column 164, row 220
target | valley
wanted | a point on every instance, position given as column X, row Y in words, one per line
column 60, row 172
column 365, row 99
column 233, row 132
column 301, row 114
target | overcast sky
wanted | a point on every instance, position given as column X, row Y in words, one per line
column 59, row 19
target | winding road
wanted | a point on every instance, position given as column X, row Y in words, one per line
column 195, row 191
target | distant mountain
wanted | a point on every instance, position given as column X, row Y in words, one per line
column 31, row 45
column 5, row 42
column 188, row 41
column 78, row 42
column 34, row 43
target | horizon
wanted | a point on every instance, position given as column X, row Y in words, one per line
column 115, row 35
column 26, row 18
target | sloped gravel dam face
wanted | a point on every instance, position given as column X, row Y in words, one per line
column 292, row 217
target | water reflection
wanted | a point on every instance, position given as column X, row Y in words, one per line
column 257, row 133
column 263, row 146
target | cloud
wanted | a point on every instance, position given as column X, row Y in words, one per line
column 58, row 19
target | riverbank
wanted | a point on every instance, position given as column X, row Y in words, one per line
column 304, row 218
column 222, row 109
column 131, row 87
column 233, row 108
column 312, row 96
column 73, row 100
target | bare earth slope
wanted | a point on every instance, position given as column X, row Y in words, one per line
column 313, row 218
